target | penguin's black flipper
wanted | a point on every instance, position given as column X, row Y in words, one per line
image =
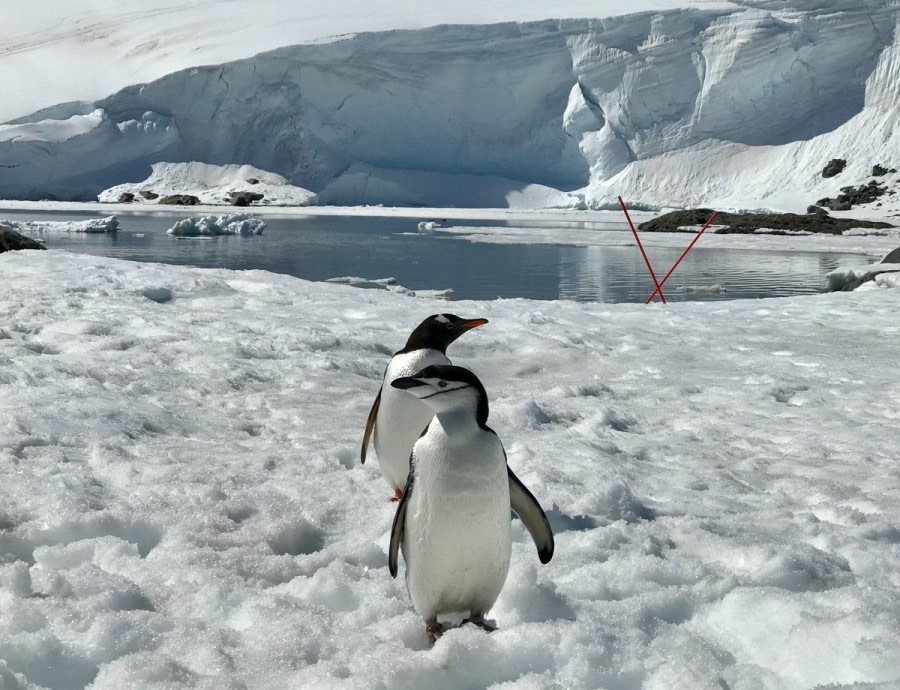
column 399, row 524
column 525, row 505
column 370, row 427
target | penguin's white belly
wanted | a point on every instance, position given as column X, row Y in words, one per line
column 401, row 417
column 457, row 540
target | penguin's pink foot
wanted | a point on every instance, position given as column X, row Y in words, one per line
column 398, row 494
column 477, row 619
column 433, row 629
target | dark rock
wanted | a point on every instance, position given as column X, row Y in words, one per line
column 180, row 200
column 10, row 240
column 851, row 196
column 126, row 198
column 892, row 257
column 747, row 223
column 817, row 209
column 835, row 165
column 147, row 194
column 879, row 171
column 243, row 198
column 252, row 180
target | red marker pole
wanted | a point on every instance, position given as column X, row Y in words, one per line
column 683, row 254
column 644, row 254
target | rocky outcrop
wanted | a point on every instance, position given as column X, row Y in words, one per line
column 244, row 198
column 179, row 200
column 747, row 223
column 126, row 198
column 852, row 196
column 150, row 196
column 834, row 167
column 10, row 240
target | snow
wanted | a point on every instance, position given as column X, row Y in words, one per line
column 732, row 105
column 91, row 225
column 232, row 224
column 181, row 503
column 211, row 184
column 52, row 129
column 844, row 275
column 158, row 37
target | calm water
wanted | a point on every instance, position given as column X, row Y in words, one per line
column 319, row 248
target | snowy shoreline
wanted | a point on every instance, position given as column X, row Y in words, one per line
column 181, row 501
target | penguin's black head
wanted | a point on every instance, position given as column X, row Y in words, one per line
column 443, row 387
column 438, row 331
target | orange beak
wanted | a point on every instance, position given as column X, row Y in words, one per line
column 474, row 323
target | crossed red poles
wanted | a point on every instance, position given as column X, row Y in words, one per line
column 658, row 284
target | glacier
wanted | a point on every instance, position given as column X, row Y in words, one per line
column 737, row 104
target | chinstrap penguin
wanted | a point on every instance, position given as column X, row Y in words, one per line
column 396, row 420
column 453, row 522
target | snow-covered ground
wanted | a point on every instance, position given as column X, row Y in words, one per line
column 181, row 502
column 211, row 184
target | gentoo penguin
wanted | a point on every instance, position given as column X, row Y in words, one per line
column 397, row 419
column 453, row 523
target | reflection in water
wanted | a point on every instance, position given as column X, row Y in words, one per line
column 319, row 248
column 618, row 274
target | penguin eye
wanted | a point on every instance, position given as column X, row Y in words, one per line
column 442, row 384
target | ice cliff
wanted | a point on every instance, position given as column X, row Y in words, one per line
column 694, row 105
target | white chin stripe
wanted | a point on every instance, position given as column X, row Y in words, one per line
column 448, row 389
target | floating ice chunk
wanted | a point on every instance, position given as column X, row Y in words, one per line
column 347, row 280
column 91, row 225
column 712, row 289
column 232, row 224
column 882, row 275
column 429, row 225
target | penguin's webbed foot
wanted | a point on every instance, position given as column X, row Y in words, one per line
column 478, row 620
column 433, row 629
column 398, row 495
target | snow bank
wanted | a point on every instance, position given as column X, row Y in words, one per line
column 732, row 105
column 875, row 276
column 232, row 224
column 92, row 225
column 181, row 502
column 211, row 184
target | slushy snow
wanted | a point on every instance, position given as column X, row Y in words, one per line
column 182, row 504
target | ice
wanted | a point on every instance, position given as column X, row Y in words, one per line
column 729, row 105
column 181, row 502
column 162, row 36
column 232, row 224
column 91, row 225
column 887, row 275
